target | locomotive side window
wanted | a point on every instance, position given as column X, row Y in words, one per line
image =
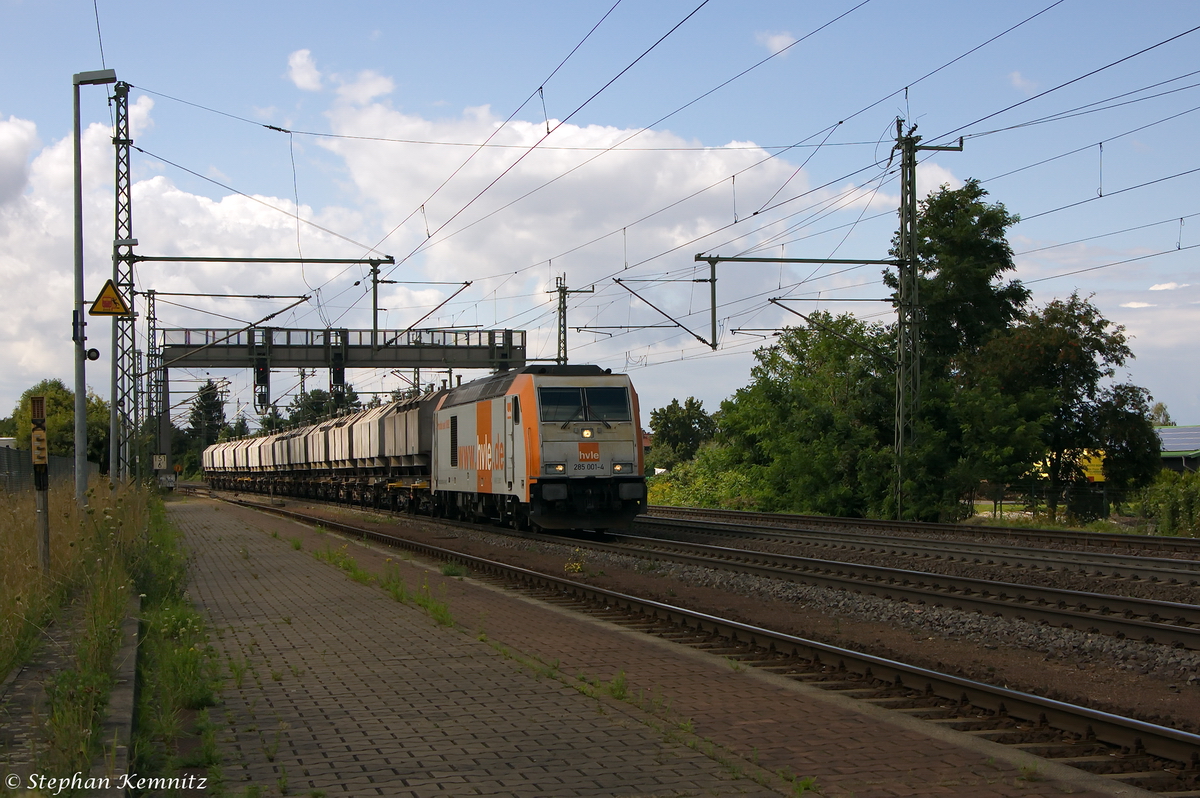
column 608, row 404
column 454, row 441
column 516, row 411
column 561, row 404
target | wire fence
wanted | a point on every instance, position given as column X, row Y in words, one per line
column 16, row 470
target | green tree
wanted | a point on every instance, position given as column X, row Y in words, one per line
column 272, row 421
column 60, row 421
column 962, row 255
column 207, row 418
column 8, row 427
column 812, row 430
column 309, row 406
column 679, row 430
column 1056, row 362
column 238, row 429
column 1159, row 416
column 1132, row 449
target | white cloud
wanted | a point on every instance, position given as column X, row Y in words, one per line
column 303, row 72
column 507, row 254
column 1168, row 286
column 365, row 88
column 1137, row 305
column 775, row 42
column 932, row 176
column 18, row 138
column 1021, row 83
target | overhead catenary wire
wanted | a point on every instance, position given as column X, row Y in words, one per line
column 927, row 75
column 529, row 150
column 244, row 195
column 945, row 65
column 513, row 273
column 1172, row 220
column 951, row 133
column 488, row 144
column 662, row 119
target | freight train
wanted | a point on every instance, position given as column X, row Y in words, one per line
column 552, row 447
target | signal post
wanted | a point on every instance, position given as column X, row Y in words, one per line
column 41, row 478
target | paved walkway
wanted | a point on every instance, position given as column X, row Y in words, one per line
column 347, row 691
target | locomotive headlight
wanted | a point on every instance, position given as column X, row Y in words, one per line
column 556, row 468
column 622, row 468
column 587, row 432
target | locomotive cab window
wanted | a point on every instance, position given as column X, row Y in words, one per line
column 565, row 405
column 608, row 404
column 561, row 404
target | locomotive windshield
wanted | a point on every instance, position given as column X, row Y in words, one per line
column 584, row 404
column 607, row 404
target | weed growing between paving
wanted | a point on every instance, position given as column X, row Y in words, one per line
column 453, row 569
column 437, row 607
column 342, row 559
column 659, row 716
column 177, row 665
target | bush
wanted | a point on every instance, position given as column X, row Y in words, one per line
column 712, row 479
column 1173, row 501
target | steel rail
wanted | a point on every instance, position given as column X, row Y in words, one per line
column 1066, row 608
column 1128, row 733
column 1091, row 563
column 1100, row 540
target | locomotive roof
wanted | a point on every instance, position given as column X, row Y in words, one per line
column 499, row 383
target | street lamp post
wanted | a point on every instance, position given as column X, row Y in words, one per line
column 97, row 77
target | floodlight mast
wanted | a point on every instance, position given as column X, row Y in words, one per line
column 94, row 78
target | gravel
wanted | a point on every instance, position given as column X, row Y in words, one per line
column 989, row 632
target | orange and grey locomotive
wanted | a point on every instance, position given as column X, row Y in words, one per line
column 557, row 447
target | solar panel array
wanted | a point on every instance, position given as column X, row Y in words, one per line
column 1179, row 439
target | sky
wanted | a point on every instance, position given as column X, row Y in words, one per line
column 623, row 139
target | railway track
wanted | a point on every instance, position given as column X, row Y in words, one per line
column 1104, row 564
column 1151, row 621
column 1123, row 750
column 1085, row 541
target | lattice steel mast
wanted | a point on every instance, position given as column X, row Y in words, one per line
column 123, row 413
column 908, row 303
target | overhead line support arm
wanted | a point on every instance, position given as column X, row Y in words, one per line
column 711, row 345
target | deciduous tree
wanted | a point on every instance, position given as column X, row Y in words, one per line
column 679, row 429
column 60, row 421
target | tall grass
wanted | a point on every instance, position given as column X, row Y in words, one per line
column 91, row 548
column 84, row 545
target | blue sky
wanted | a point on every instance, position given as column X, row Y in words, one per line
column 452, row 72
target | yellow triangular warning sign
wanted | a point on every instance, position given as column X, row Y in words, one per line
column 109, row 303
